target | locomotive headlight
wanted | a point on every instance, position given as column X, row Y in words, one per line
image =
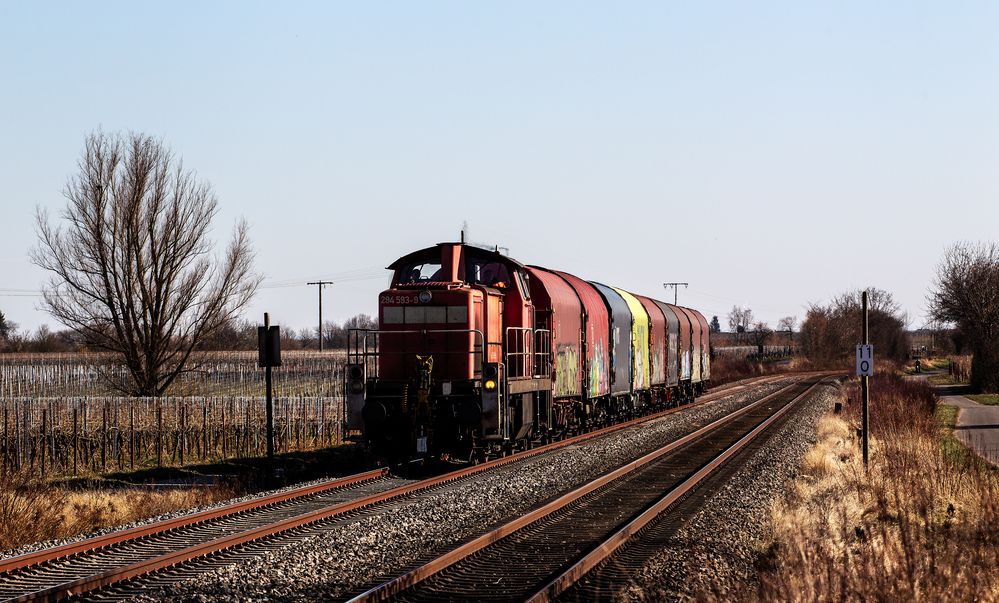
column 490, row 385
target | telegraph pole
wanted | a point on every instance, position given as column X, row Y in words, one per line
column 321, row 284
column 675, row 287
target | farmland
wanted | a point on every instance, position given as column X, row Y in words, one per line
column 60, row 418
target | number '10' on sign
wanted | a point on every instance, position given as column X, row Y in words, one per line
column 865, row 360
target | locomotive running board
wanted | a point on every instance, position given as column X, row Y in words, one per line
column 528, row 384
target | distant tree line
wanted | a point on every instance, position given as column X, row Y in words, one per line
column 240, row 334
column 830, row 332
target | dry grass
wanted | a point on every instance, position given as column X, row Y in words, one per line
column 920, row 524
column 960, row 368
column 725, row 369
column 32, row 510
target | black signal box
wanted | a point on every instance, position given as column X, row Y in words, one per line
column 269, row 346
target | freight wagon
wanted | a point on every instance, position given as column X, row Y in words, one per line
column 476, row 353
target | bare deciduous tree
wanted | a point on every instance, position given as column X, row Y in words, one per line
column 739, row 319
column 966, row 294
column 786, row 325
column 761, row 334
column 132, row 268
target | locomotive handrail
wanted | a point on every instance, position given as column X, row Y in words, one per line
column 357, row 354
column 528, row 354
column 519, row 348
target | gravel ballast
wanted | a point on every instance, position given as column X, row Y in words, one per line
column 714, row 554
column 332, row 560
column 47, row 544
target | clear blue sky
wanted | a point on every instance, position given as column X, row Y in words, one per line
column 771, row 154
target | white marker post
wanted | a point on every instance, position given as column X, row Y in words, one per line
column 865, row 370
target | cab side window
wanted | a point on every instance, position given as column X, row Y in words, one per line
column 490, row 274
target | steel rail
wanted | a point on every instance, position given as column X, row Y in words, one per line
column 437, row 565
column 601, row 553
column 28, row 560
column 104, row 579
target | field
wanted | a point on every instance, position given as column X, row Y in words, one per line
column 60, row 419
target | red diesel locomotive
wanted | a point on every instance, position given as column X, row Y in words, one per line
column 477, row 353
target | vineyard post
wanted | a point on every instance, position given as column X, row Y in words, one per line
column 159, row 435
column 204, row 428
column 52, row 438
column 321, row 436
column 183, row 429
column 104, row 437
column 18, row 459
column 223, row 429
column 131, row 434
column 44, row 431
column 76, row 436
column 5, row 436
column 89, row 453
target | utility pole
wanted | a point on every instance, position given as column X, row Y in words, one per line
column 321, row 284
column 675, row 286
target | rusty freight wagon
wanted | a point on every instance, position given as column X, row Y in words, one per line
column 476, row 353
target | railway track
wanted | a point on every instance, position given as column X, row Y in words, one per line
column 546, row 552
column 172, row 545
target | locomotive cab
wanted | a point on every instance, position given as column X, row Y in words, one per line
column 433, row 378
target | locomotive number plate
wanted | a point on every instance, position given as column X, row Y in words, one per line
column 399, row 299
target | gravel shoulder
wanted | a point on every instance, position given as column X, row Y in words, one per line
column 331, row 561
column 713, row 555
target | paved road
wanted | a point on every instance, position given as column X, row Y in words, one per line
column 977, row 426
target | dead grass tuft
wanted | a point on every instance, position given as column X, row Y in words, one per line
column 920, row 524
column 32, row 510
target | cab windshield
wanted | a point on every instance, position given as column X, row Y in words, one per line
column 421, row 272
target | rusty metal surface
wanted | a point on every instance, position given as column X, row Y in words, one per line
column 672, row 344
column 597, row 336
column 705, row 345
column 620, row 339
column 558, row 309
column 696, row 348
column 686, row 342
column 657, row 340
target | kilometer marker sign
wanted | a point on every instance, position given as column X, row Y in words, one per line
column 865, row 360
